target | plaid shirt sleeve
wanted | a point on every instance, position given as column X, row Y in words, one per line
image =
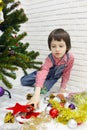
column 42, row 74
column 67, row 71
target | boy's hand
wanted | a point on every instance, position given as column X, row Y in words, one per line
column 36, row 98
column 35, row 101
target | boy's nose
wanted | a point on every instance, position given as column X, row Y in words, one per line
column 57, row 49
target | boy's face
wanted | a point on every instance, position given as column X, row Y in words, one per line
column 58, row 48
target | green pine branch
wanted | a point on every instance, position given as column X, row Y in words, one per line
column 11, row 8
column 13, row 17
column 13, row 52
column 9, row 74
column 5, row 80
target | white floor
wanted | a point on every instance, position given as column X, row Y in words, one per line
column 18, row 94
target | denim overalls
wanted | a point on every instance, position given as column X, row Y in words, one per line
column 54, row 74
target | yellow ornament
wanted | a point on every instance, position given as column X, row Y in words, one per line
column 1, row 5
column 9, row 118
column 1, row 13
column 79, row 114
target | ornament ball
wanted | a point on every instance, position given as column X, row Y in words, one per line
column 72, row 123
column 54, row 112
column 72, row 106
column 1, row 91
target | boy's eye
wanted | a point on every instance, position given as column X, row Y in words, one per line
column 53, row 46
column 61, row 46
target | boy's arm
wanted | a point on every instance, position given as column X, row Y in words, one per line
column 67, row 71
column 36, row 98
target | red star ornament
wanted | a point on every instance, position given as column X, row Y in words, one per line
column 30, row 114
column 21, row 108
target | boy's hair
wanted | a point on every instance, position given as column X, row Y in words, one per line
column 58, row 35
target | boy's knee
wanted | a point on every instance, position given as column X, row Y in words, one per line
column 23, row 82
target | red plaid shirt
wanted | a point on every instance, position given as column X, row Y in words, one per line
column 42, row 74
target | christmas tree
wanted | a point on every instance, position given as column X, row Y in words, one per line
column 13, row 52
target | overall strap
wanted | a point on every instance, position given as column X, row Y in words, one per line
column 51, row 57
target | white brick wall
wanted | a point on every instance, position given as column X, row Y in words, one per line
column 46, row 15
